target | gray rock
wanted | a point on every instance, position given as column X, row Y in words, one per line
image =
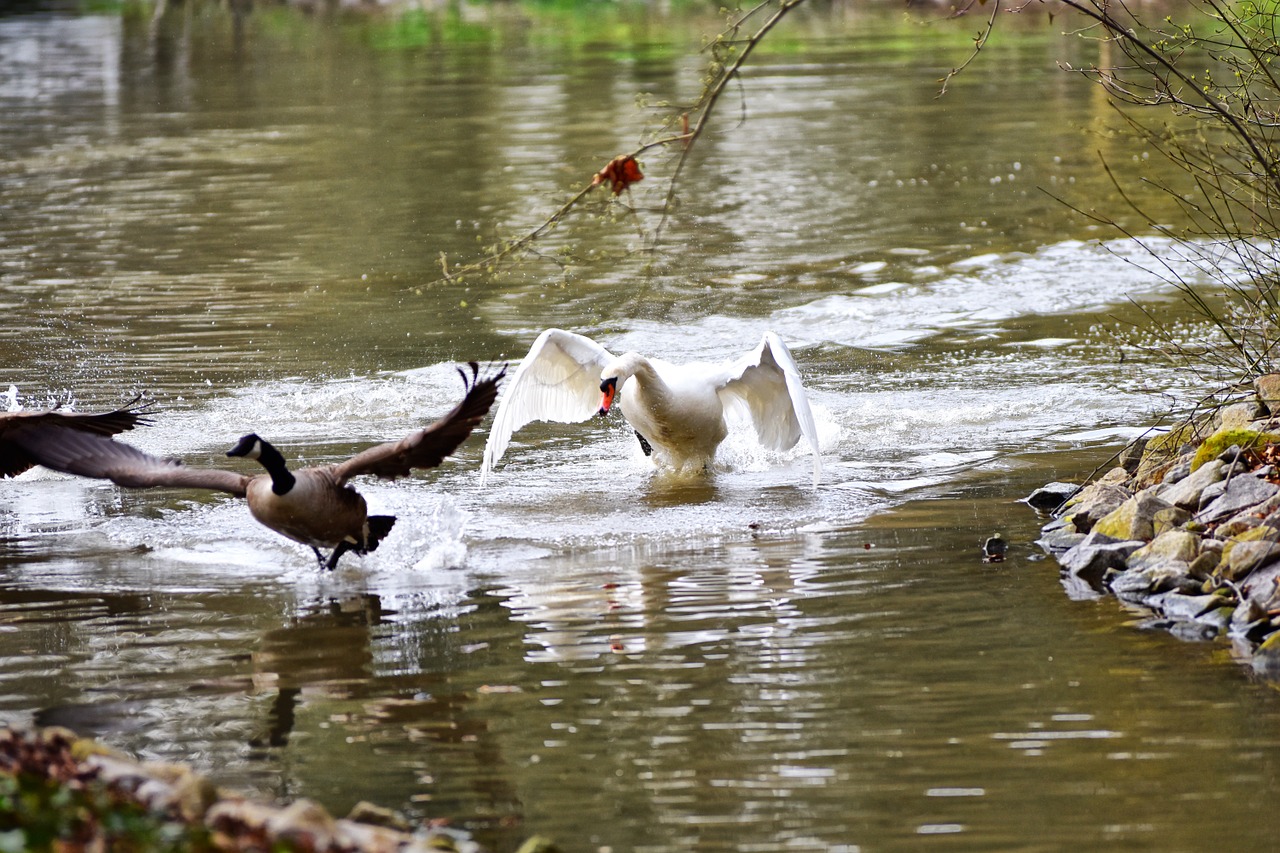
column 1251, row 517
column 1059, row 540
column 1052, row 496
column 304, row 823
column 1178, row 472
column 1096, row 554
column 1260, row 585
column 1138, row 584
column 1093, row 502
column 1134, row 585
column 1192, row 608
column 1248, row 613
column 1241, row 491
column 1267, row 387
column 1237, row 415
column 1231, row 454
column 1131, row 456
column 1186, row 492
column 1133, row 519
column 1247, row 556
column 1212, row 492
column 1202, row 566
column 1170, row 518
column 1176, row 546
column 1060, row 523
column 1115, row 477
column 1217, row 617
column 1266, row 660
column 374, row 815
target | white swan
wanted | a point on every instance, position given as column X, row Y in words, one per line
column 677, row 411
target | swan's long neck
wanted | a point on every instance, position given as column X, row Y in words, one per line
column 649, row 385
column 282, row 479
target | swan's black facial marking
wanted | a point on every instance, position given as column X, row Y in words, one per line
column 608, row 390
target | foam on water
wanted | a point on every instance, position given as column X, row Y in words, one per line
column 892, row 424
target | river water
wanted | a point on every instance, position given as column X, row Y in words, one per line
column 245, row 220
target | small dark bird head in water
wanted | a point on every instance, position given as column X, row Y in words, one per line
column 993, row 549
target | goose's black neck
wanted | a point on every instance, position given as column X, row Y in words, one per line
column 281, row 478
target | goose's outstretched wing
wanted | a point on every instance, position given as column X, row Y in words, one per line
column 87, row 454
column 428, row 447
column 766, row 381
column 18, row 430
column 559, row 380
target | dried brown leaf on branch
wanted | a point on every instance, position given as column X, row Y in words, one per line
column 622, row 171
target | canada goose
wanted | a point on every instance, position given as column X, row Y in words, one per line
column 314, row 506
column 23, row 433
column 677, row 411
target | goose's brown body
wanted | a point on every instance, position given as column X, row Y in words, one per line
column 318, row 510
column 314, row 506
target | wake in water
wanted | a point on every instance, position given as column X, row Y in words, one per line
column 901, row 405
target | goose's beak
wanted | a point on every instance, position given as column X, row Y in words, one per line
column 608, row 390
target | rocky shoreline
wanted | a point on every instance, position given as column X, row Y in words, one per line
column 61, row 792
column 1187, row 525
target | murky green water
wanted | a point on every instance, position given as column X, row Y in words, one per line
column 248, row 229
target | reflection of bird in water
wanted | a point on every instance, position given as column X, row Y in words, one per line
column 677, row 411
column 24, row 433
column 993, row 550
column 328, row 650
column 371, row 671
column 314, row 506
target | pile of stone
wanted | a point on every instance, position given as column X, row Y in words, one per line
column 1188, row 526
column 235, row 823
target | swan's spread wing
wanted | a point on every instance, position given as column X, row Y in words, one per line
column 559, row 380
column 17, row 426
column 766, row 381
column 428, row 447
column 92, row 455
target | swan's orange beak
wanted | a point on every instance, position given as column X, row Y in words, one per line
column 608, row 390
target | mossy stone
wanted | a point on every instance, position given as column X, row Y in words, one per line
column 1170, row 518
column 1133, row 519
column 1224, row 438
column 1252, row 535
column 1163, row 450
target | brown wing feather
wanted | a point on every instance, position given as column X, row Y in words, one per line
column 91, row 455
column 428, row 447
column 14, row 426
column 124, row 418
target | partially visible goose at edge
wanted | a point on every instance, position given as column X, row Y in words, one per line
column 677, row 411
column 314, row 506
column 26, row 434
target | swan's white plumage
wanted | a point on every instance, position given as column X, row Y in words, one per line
column 679, row 409
column 559, row 380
